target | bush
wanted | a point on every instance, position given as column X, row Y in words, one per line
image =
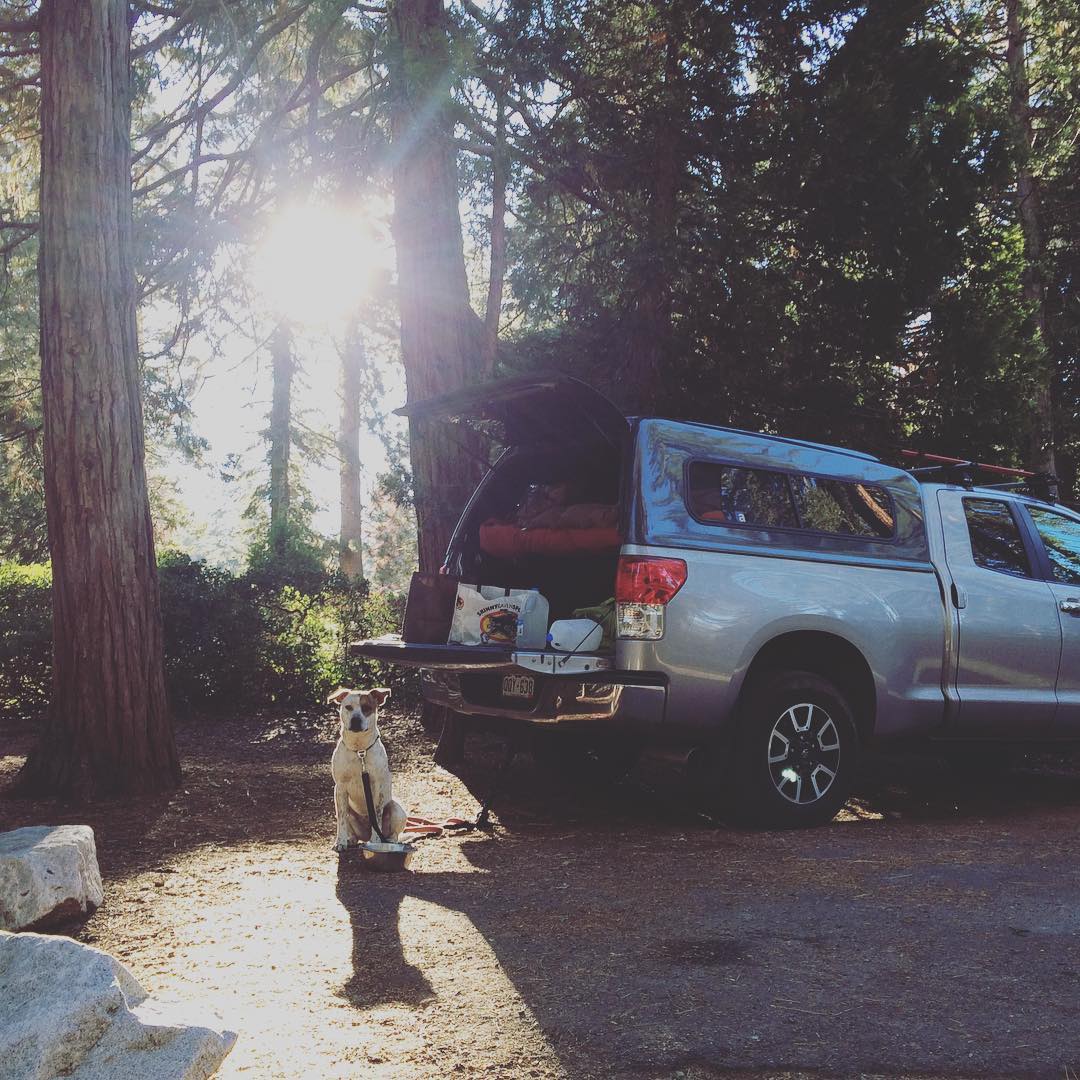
column 263, row 638
column 25, row 639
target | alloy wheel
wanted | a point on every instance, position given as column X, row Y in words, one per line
column 804, row 753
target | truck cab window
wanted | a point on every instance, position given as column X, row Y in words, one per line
column 1061, row 537
column 996, row 543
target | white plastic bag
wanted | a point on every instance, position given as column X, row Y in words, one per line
column 491, row 615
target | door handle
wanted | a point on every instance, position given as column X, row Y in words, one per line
column 1070, row 606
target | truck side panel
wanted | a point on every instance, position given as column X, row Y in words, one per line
column 734, row 604
column 747, row 586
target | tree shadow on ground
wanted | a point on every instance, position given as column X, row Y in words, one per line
column 654, row 951
column 925, row 786
column 893, row 784
column 231, row 793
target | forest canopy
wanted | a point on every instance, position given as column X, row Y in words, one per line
column 806, row 218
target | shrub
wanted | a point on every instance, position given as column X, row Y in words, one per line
column 265, row 637
column 25, row 639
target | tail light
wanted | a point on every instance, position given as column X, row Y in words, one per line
column 644, row 584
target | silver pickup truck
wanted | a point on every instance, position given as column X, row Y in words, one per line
column 779, row 601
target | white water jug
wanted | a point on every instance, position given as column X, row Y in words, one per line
column 575, row 635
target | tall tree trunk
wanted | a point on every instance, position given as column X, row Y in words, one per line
column 441, row 336
column 497, row 272
column 350, row 549
column 282, row 368
column 649, row 345
column 108, row 727
column 1041, row 452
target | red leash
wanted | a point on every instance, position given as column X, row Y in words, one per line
column 419, row 827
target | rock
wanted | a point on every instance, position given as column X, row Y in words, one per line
column 72, row 1010
column 48, row 876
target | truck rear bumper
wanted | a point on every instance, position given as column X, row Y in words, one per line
column 545, row 687
column 620, row 698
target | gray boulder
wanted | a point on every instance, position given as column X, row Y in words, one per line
column 48, row 876
column 69, row 1009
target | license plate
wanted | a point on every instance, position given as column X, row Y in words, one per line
column 520, row 686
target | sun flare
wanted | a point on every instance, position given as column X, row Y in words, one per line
column 318, row 262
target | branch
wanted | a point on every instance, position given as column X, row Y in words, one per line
column 20, row 433
column 182, row 23
column 20, row 26
column 314, row 55
column 291, row 15
column 20, row 237
column 259, row 142
column 11, row 78
column 160, row 10
column 478, row 14
column 471, row 147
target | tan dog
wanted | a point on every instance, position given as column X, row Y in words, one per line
column 360, row 749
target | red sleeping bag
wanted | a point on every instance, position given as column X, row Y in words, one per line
column 511, row 541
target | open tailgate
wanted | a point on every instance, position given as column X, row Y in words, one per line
column 392, row 650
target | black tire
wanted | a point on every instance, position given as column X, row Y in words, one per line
column 806, row 719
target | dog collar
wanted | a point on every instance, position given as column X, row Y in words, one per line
column 362, row 754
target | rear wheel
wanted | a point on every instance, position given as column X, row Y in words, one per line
column 797, row 750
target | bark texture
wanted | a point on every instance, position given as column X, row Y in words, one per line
column 350, row 549
column 282, row 370
column 500, row 173
column 648, row 348
column 441, row 336
column 107, row 729
column 1029, row 209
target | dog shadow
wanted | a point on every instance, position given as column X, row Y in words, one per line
column 381, row 975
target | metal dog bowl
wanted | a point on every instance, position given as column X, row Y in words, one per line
column 385, row 857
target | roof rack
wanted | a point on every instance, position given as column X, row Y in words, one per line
column 1040, row 485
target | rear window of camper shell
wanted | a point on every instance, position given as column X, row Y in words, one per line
column 733, row 495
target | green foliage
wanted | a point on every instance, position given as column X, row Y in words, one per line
column 806, row 212
column 273, row 635
column 25, row 638
column 390, row 532
column 232, row 642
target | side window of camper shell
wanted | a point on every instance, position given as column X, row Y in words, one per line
column 726, row 495
column 844, row 508
column 731, row 495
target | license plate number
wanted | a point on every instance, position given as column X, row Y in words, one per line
column 519, row 686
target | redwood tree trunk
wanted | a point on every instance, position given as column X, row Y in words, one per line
column 350, row 549
column 441, row 336
column 1041, row 452
column 500, row 173
column 282, row 369
column 107, row 729
column 649, row 346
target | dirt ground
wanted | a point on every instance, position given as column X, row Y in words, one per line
column 601, row 931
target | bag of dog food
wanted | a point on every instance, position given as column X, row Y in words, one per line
column 491, row 615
